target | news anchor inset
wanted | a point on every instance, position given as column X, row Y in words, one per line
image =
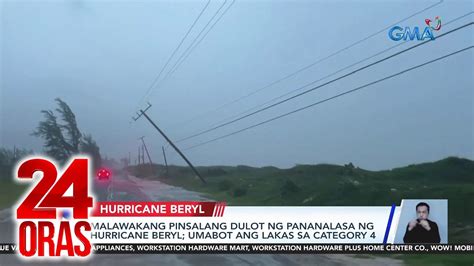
column 422, row 230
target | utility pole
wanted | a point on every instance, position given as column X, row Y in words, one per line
column 142, row 113
column 139, row 154
column 144, row 145
column 166, row 162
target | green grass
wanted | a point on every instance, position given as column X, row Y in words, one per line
column 9, row 193
column 332, row 185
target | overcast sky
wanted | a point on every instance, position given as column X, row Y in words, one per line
column 101, row 57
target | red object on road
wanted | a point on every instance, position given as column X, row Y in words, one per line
column 103, row 174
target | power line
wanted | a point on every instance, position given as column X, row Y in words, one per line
column 194, row 44
column 333, row 97
column 174, row 51
column 173, row 69
column 310, row 65
column 327, row 76
column 203, row 37
column 324, row 84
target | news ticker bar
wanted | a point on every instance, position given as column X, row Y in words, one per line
column 8, row 248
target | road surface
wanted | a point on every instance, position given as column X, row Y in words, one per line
column 128, row 188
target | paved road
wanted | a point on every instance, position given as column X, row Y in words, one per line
column 129, row 188
column 158, row 191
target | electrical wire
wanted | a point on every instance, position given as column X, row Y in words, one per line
column 333, row 97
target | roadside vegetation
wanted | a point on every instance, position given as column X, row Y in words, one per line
column 331, row 185
column 344, row 185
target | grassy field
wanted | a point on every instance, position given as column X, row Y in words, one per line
column 329, row 185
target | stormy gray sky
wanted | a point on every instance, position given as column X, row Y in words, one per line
column 101, row 57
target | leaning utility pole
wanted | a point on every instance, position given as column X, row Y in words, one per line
column 139, row 154
column 144, row 145
column 142, row 113
column 164, row 156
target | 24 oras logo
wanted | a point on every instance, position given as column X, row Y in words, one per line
column 42, row 231
column 398, row 33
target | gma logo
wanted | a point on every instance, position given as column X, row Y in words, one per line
column 398, row 33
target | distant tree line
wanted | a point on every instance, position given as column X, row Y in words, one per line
column 8, row 158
